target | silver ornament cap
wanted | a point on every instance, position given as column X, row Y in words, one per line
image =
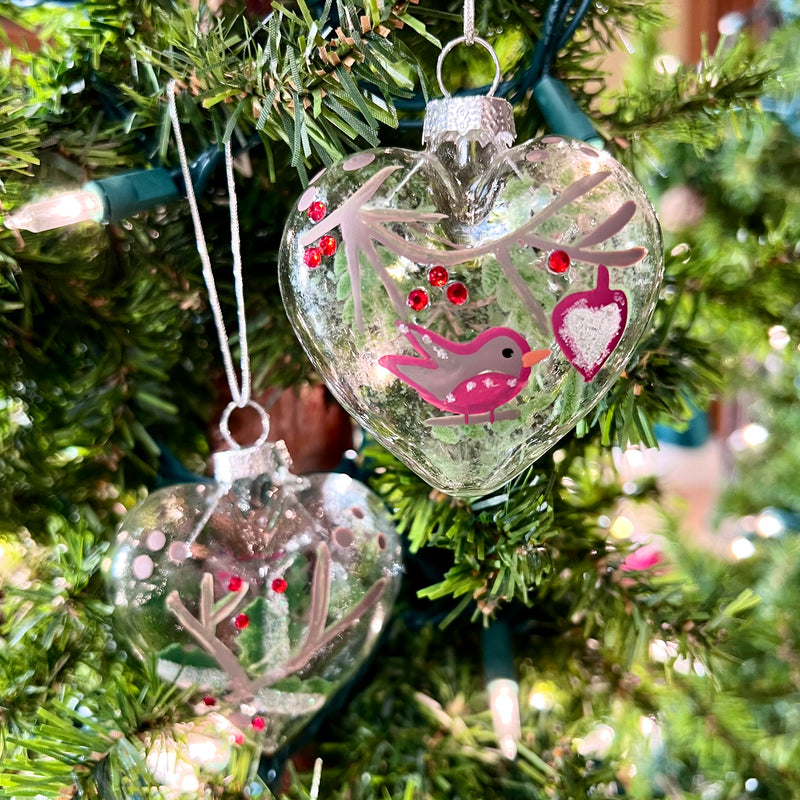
column 475, row 118
column 263, row 458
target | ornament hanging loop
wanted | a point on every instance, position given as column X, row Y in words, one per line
column 466, row 40
column 224, row 424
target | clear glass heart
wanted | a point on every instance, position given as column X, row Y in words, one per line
column 425, row 288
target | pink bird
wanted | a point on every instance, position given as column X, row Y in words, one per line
column 466, row 378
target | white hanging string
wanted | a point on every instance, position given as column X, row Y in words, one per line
column 241, row 396
column 469, row 22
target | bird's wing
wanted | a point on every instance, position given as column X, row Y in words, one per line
column 421, row 374
column 427, row 343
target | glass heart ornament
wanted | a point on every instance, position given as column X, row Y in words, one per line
column 263, row 590
column 469, row 303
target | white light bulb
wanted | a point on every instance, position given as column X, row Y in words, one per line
column 742, row 548
column 769, row 525
column 56, row 212
column 504, row 703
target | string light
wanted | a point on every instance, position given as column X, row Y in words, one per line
column 104, row 200
column 69, row 208
column 504, row 704
column 742, row 548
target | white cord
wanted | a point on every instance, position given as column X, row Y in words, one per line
column 469, row 22
column 241, row 397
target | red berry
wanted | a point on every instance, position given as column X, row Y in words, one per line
column 558, row 262
column 417, row 299
column 279, row 585
column 235, row 583
column 312, row 257
column 258, row 723
column 457, row 293
column 241, row 622
column 437, row 276
column 327, row 245
column 316, row 211
column 209, row 701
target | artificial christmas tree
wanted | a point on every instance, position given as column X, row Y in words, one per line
column 648, row 678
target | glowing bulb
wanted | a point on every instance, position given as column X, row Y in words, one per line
column 504, row 703
column 647, row 725
column 622, row 528
column 55, row 212
column 754, row 434
column 769, row 525
column 778, row 337
column 666, row 64
column 742, row 548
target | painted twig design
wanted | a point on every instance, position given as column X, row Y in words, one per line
column 363, row 227
column 243, row 687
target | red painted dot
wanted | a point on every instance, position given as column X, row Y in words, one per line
column 209, row 701
column 241, row 622
column 417, row 299
column 457, row 293
column 279, row 585
column 316, row 211
column 437, row 276
column 558, row 262
column 235, row 583
column 327, row 245
column 312, row 257
column 258, row 723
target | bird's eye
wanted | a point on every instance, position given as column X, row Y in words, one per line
column 507, row 352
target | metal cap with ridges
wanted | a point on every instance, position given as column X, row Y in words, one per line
column 269, row 458
column 469, row 119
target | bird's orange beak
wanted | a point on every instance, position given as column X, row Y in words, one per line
column 534, row 357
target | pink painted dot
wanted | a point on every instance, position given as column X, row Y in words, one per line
column 209, row 700
column 417, row 299
column 327, row 245
column 178, row 551
column 343, row 536
column 558, row 262
column 306, row 199
column 457, row 293
column 156, row 540
column 317, row 210
column 279, row 585
column 437, row 276
column 241, row 622
column 235, row 583
column 358, row 161
column 258, row 723
column 142, row 567
column 312, row 257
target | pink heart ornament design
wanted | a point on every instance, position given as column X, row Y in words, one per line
column 589, row 325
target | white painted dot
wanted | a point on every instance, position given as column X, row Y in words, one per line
column 178, row 551
column 156, row 541
column 142, row 567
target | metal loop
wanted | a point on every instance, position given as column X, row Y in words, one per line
column 225, row 431
column 483, row 43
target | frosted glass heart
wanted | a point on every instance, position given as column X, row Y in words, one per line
column 262, row 589
column 469, row 303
